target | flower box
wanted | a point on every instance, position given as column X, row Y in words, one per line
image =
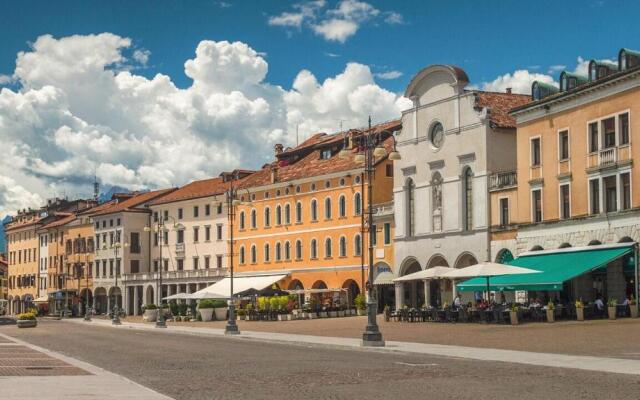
column 333, row 314
column 612, row 312
column 206, row 314
column 362, row 311
column 551, row 316
column 580, row 314
column 27, row 323
column 513, row 316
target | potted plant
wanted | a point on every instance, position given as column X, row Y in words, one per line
column 361, row 304
column 220, row 308
column 513, row 314
column 206, row 309
column 242, row 314
column 550, row 312
column 579, row 310
column 27, row 320
column 612, row 306
column 633, row 307
column 150, row 313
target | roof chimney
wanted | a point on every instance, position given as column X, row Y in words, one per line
column 278, row 148
column 274, row 173
column 508, row 90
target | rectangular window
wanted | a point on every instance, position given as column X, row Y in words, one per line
column 218, row 232
column 623, row 127
column 625, row 182
column 535, row 152
column 504, row 212
column 165, row 238
column 180, row 238
column 196, row 234
column 594, row 195
column 326, row 154
column 196, row 262
column 166, row 264
column 207, row 262
column 207, row 209
column 610, row 193
column 536, row 203
column 374, row 235
column 219, row 210
column 593, row 137
column 179, row 213
column 563, row 143
column 135, row 266
column 180, row 264
column 219, row 261
column 565, row 202
column 609, row 132
column 166, row 215
column 135, row 243
column 155, row 265
column 207, row 233
column 389, row 170
column 155, row 216
column 196, row 211
column 387, row 233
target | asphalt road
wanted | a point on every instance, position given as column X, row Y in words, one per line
column 196, row 367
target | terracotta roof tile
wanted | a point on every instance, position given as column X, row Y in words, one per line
column 61, row 219
column 500, row 104
column 194, row 190
column 311, row 164
column 132, row 203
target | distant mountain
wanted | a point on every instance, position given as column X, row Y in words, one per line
column 106, row 196
column 3, row 239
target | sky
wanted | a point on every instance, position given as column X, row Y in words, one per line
column 150, row 94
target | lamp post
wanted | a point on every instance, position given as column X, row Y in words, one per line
column 159, row 230
column 232, row 202
column 87, row 309
column 115, row 320
column 371, row 147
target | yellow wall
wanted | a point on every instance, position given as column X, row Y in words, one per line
column 83, row 231
column 348, row 226
column 512, row 195
column 21, row 240
column 575, row 121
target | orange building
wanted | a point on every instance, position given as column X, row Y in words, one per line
column 301, row 215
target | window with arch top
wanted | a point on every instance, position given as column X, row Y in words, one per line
column 436, row 135
column 267, row 252
column 314, row 210
column 254, row 219
column 287, row 214
column 267, row 217
column 241, row 219
column 254, row 254
column 242, row 255
column 343, row 246
column 327, row 208
column 278, row 215
column 342, row 206
column 327, row 248
column 436, row 201
column 299, row 212
column 410, row 207
column 357, row 203
column 313, row 249
column 298, row 249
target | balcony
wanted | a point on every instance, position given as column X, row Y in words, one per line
column 177, row 275
column 503, row 180
column 383, row 209
column 179, row 248
column 608, row 158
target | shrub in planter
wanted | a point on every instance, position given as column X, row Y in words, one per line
column 513, row 314
column 27, row 320
column 242, row 314
column 150, row 313
column 550, row 312
column 612, row 306
column 219, row 307
column 206, row 309
column 579, row 310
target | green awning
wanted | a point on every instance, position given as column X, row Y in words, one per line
column 556, row 268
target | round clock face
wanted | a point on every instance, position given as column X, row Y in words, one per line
column 437, row 135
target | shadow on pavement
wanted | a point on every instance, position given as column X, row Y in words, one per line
column 7, row 321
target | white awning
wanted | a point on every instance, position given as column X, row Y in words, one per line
column 41, row 299
column 384, row 278
column 429, row 273
column 222, row 288
column 178, row 296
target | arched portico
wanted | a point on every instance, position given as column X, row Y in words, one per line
column 83, row 300
column 149, row 297
column 353, row 290
column 410, row 293
column 295, row 285
column 100, row 302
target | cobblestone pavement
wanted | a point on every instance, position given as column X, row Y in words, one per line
column 603, row 338
column 198, row 367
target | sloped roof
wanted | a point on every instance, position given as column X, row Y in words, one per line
column 311, row 164
column 131, row 204
column 500, row 104
column 194, row 190
column 60, row 220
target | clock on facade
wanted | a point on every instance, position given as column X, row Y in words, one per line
column 437, row 135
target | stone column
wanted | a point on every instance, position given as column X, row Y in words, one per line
column 136, row 300
column 188, row 287
column 414, row 294
column 427, row 293
column 454, row 290
column 399, row 289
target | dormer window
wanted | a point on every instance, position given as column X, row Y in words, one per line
column 628, row 59
column 325, row 154
column 600, row 69
column 569, row 81
column 540, row 90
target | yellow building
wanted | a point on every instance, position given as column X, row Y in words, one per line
column 301, row 215
column 22, row 251
column 576, row 180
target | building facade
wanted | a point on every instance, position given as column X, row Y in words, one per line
column 22, row 246
column 302, row 215
column 452, row 140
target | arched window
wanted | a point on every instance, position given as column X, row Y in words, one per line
column 287, row 214
column 267, row 252
column 267, row 217
column 298, row 250
column 313, row 249
column 254, row 219
column 299, row 212
column 467, row 203
column 278, row 251
column 278, row 215
column 327, row 247
column 327, row 208
column 357, row 245
column 357, row 204
column 241, row 254
column 314, row 210
column 436, row 201
column 254, row 254
column 287, row 251
column 342, row 206
column 410, row 207
column 343, row 246
column 241, row 219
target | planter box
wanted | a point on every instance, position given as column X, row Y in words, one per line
column 341, row 313
column 550, row 316
column 634, row 310
column 580, row 314
column 206, row 314
column 221, row 313
column 612, row 312
column 305, row 315
column 283, row 317
column 242, row 317
column 27, row 323
column 362, row 311
column 333, row 314
column 150, row 315
column 323, row 314
column 313, row 315
column 513, row 315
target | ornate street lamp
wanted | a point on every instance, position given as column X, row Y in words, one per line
column 372, row 148
column 115, row 320
column 87, row 309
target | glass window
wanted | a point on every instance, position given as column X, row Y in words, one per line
column 327, row 208
column 357, row 203
column 625, row 182
column 609, row 132
column 343, row 246
column 357, row 245
column 207, row 233
column 342, row 206
column 563, row 143
column 314, row 249
column 327, row 248
column 387, row 233
column 278, row 215
column 254, row 219
column 207, row 209
column 267, row 252
column 504, row 212
column 468, row 198
column 180, row 266
column 242, row 255
column 180, row 238
column 314, row 210
column 411, row 212
column 287, row 214
column 374, row 235
column 219, row 232
column 535, row 152
column 196, row 211
column 610, row 193
column 298, row 249
column 594, row 195
column 278, row 251
column 254, row 254
column 242, row 220
column 196, row 234
column 287, row 250
column 593, row 137
column 623, row 123
column 536, row 200
column 196, row 262
column 298, row 212
column 565, row 202
column 218, row 261
column 436, row 202
column 179, row 213
column 267, row 217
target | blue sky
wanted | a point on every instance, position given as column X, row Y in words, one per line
column 150, row 94
column 486, row 38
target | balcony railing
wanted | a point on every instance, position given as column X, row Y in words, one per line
column 607, row 156
column 383, row 209
column 502, row 180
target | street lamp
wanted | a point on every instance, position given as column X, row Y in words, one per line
column 115, row 320
column 372, row 148
column 159, row 229
column 87, row 309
